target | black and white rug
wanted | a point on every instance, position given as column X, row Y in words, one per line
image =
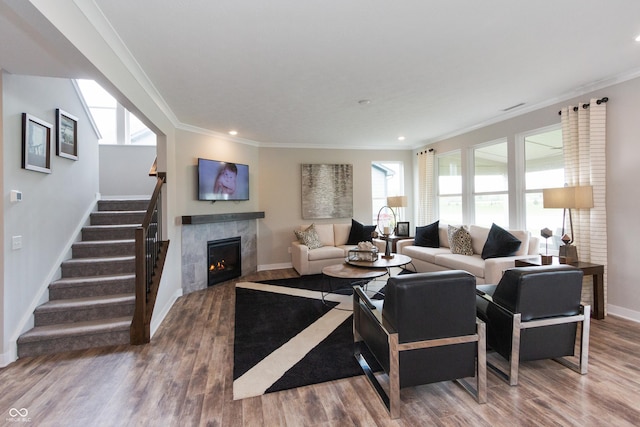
column 286, row 337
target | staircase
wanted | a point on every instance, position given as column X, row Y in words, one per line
column 92, row 304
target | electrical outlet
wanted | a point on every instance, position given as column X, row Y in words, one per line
column 16, row 242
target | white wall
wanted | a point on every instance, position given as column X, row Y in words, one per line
column 623, row 174
column 53, row 206
column 280, row 186
column 124, row 170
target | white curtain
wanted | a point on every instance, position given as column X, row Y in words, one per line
column 584, row 142
column 426, row 187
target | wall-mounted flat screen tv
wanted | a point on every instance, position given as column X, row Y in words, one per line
column 222, row 180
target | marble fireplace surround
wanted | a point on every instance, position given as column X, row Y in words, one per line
column 197, row 230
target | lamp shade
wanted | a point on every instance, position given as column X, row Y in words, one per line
column 397, row 201
column 568, row 197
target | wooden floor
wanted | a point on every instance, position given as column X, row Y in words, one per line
column 184, row 378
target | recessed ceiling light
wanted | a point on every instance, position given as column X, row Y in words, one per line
column 638, row 39
column 401, row 138
column 233, row 132
column 364, row 102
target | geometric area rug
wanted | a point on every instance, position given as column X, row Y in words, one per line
column 286, row 337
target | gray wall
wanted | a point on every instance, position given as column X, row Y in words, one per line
column 281, row 197
column 623, row 174
column 53, row 204
column 124, row 170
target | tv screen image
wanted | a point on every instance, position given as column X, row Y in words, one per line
column 219, row 180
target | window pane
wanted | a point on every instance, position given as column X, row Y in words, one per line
column 491, row 171
column 544, row 162
column 539, row 218
column 492, row 208
column 544, row 168
column 449, row 174
column 94, row 95
column 387, row 179
column 105, row 119
column 450, row 209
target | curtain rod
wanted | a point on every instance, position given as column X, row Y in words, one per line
column 430, row 150
column 585, row 106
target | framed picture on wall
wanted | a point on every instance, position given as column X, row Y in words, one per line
column 402, row 229
column 36, row 144
column 67, row 135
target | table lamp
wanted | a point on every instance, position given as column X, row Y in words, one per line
column 568, row 198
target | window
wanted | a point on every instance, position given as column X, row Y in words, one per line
column 544, row 168
column 115, row 124
column 450, row 188
column 387, row 179
column 491, row 185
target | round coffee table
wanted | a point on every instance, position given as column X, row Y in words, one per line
column 350, row 271
column 398, row 260
column 356, row 275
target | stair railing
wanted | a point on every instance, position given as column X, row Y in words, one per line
column 151, row 253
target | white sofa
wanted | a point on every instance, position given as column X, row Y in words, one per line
column 488, row 270
column 334, row 249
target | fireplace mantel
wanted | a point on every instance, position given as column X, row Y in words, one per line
column 209, row 219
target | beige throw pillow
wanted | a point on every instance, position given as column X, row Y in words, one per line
column 309, row 237
column 459, row 240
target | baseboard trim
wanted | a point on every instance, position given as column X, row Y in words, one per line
column 9, row 356
column 624, row 313
column 158, row 316
column 281, row 266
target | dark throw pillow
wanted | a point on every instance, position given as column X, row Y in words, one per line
column 428, row 235
column 500, row 243
column 359, row 233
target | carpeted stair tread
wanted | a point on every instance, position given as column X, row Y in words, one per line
column 75, row 281
column 93, row 260
column 103, row 242
column 117, row 217
column 85, row 302
column 111, row 226
column 103, row 248
column 122, row 204
column 75, row 329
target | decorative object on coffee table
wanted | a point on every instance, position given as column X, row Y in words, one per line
column 568, row 198
column 546, row 258
column 387, row 243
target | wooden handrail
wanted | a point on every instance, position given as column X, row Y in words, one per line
column 151, row 253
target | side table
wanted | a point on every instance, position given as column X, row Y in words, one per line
column 588, row 269
column 394, row 240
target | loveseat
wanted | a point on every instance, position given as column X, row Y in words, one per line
column 327, row 244
column 487, row 267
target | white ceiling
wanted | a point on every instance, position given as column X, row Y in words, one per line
column 291, row 73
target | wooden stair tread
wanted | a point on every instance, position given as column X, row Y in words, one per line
column 75, row 329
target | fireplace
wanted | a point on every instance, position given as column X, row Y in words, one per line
column 224, row 260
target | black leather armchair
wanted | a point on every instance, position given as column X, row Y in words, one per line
column 424, row 331
column 532, row 314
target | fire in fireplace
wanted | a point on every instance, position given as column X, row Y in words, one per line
column 224, row 260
